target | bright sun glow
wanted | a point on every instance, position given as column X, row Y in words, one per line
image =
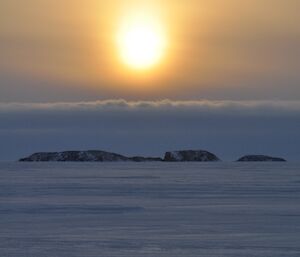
column 141, row 43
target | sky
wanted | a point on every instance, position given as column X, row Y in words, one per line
column 57, row 57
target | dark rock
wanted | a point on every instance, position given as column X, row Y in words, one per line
column 190, row 156
column 145, row 159
column 74, row 156
column 260, row 158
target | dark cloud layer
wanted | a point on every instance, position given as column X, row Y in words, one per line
column 228, row 128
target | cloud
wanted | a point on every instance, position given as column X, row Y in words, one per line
column 121, row 104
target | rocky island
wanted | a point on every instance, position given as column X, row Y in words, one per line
column 190, row 156
column 260, row 158
column 103, row 156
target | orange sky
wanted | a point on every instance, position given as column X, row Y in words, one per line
column 212, row 45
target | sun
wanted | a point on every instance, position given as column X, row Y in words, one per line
column 141, row 43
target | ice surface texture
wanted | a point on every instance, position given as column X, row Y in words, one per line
column 149, row 209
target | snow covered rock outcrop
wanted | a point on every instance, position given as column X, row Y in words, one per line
column 190, row 156
column 83, row 156
column 260, row 158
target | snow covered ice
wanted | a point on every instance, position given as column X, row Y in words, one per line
column 149, row 209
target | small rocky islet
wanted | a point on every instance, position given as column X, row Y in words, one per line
column 260, row 158
column 172, row 156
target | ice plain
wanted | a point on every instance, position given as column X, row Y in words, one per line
column 149, row 209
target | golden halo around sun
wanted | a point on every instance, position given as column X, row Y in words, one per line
column 141, row 42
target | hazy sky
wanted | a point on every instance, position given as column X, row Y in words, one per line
column 54, row 52
column 65, row 50
column 229, row 129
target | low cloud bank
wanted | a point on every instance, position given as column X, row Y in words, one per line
column 201, row 105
